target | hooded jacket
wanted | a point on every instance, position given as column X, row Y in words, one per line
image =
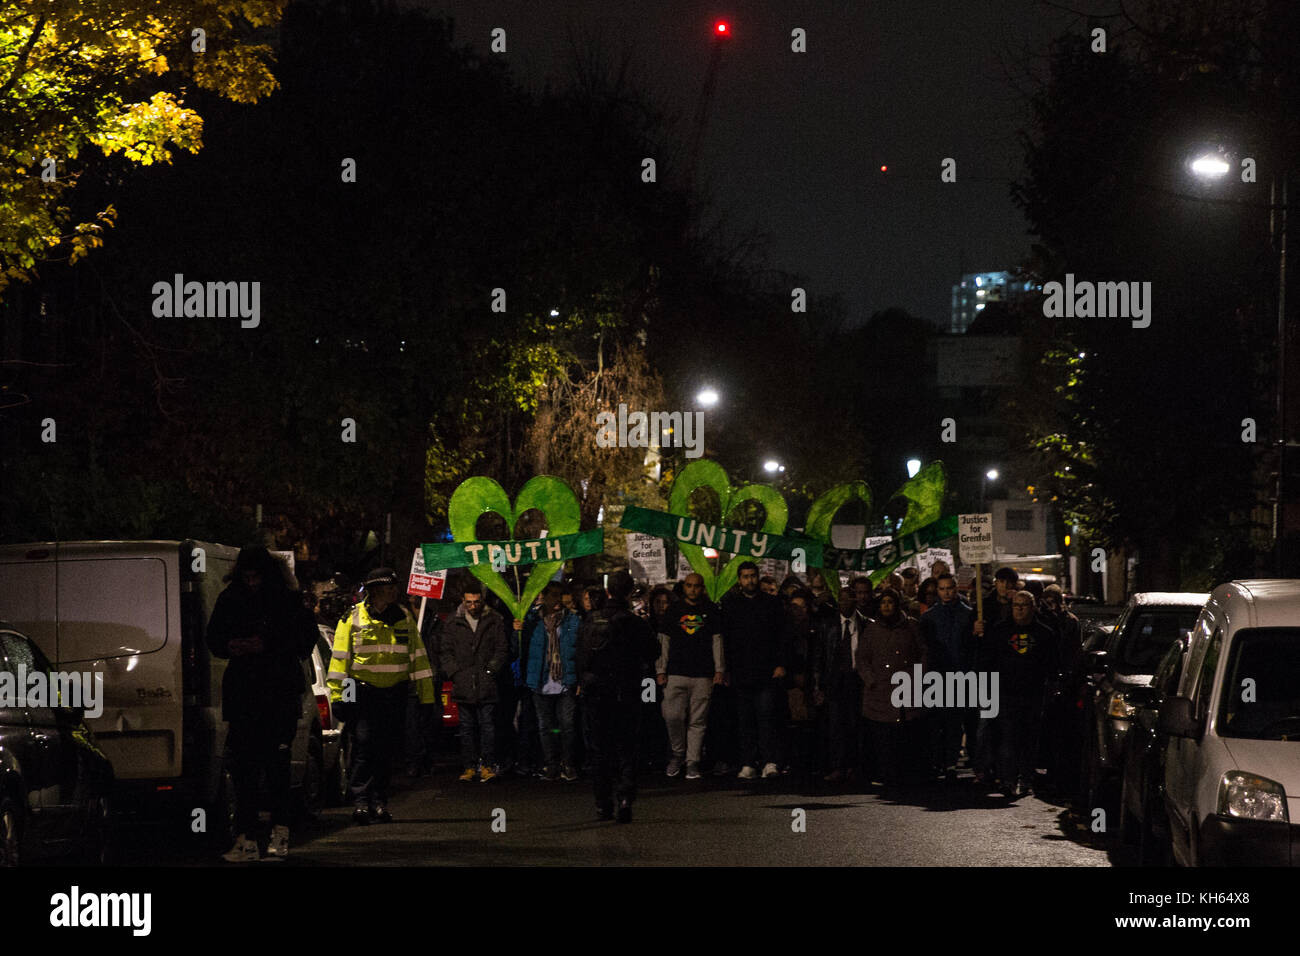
column 889, row 645
column 271, row 682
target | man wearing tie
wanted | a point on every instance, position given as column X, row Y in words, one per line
column 836, row 684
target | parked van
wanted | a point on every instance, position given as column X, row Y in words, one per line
column 1232, row 759
column 136, row 611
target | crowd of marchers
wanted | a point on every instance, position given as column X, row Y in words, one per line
column 773, row 678
column 613, row 682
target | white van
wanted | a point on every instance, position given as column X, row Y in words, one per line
column 137, row 611
column 1232, row 753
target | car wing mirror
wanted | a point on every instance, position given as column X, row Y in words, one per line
column 1178, row 718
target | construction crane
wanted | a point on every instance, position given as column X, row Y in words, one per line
column 721, row 36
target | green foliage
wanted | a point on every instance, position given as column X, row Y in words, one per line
column 110, row 74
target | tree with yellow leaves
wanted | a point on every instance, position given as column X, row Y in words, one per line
column 111, row 74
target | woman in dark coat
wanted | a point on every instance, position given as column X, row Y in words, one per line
column 892, row 642
column 262, row 626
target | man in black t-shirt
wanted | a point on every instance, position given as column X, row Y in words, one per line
column 690, row 663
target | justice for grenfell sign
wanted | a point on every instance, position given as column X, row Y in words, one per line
column 975, row 538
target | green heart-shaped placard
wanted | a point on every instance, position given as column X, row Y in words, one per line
column 822, row 513
column 924, row 496
column 476, row 496
column 705, row 473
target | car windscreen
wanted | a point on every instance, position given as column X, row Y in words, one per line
column 1148, row 634
column 1261, row 689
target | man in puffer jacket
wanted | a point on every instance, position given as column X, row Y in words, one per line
column 474, row 650
column 891, row 643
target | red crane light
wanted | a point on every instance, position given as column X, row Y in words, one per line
column 884, row 169
column 721, row 28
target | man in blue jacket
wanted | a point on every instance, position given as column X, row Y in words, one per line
column 549, row 666
column 949, row 638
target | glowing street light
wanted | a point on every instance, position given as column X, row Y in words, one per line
column 772, row 467
column 708, row 397
column 913, row 466
column 990, row 475
column 1211, row 167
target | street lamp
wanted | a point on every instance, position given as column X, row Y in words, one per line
column 708, row 397
column 772, row 467
column 1209, row 167
column 990, row 475
column 913, row 466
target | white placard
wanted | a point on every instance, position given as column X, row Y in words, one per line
column 683, row 567
column 975, row 538
column 927, row 559
column 422, row 583
column 645, row 558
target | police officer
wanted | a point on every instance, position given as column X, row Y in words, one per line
column 377, row 651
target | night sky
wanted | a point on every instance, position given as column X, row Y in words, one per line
column 795, row 141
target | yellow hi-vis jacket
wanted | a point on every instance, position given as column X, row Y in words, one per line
column 379, row 654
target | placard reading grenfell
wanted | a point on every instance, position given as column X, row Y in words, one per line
column 869, row 559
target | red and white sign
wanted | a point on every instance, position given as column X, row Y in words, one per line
column 423, row 584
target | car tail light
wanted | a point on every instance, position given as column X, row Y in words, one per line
column 1120, row 707
column 323, row 707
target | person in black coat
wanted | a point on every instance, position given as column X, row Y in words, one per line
column 615, row 649
column 1026, row 654
column 474, row 652
column 837, row 686
column 262, row 626
column 757, row 648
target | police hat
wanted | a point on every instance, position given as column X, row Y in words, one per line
column 381, row 576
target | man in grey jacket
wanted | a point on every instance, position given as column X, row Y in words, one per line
column 474, row 650
column 690, row 663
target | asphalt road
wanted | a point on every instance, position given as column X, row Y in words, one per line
column 711, row 822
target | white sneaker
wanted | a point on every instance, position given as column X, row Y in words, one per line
column 244, row 851
column 278, row 848
column 770, row 770
column 747, row 773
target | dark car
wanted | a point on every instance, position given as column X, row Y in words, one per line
column 1142, row 793
column 55, row 783
column 1119, row 675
